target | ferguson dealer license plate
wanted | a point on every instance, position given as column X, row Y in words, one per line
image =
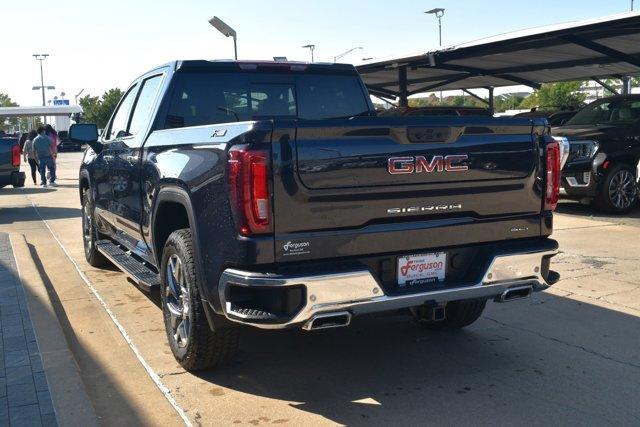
column 421, row 269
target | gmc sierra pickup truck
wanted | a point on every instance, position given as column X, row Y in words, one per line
column 270, row 195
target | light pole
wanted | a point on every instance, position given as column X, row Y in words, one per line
column 343, row 54
column 219, row 25
column 311, row 48
column 41, row 57
column 78, row 94
column 631, row 5
column 439, row 13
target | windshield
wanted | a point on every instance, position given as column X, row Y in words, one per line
column 619, row 111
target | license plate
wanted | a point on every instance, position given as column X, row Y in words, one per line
column 421, row 269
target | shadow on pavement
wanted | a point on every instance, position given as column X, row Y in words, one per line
column 27, row 213
column 110, row 404
column 25, row 190
column 547, row 358
column 573, row 208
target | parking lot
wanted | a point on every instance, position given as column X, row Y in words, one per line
column 569, row 355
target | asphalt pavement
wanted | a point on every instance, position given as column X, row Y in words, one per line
column 570, row 355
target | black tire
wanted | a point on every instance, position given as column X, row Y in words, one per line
column 90, row 234
column 18, row 179
column 193, row 344
column 618, row 193
column 459, row 314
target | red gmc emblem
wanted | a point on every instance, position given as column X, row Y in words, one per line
column 419, row 164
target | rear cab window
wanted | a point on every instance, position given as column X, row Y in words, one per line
column 211, row 97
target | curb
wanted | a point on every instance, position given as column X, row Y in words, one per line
column 70, row 400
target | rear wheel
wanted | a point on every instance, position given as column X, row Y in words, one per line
column 194, row 345
column 619, row 192
column 90, row 235
column 459, row 314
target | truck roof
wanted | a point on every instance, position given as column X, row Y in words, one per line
column 225, row 64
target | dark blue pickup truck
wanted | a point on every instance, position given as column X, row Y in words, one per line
column 270, row 195
column 10, row 157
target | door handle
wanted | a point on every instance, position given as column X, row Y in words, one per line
column 108, row 157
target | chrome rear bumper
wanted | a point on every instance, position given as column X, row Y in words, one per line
column 358, row 292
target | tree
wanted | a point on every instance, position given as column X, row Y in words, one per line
column 7, row 122
column 507, row 102
column 98, row 110
column 556, row 95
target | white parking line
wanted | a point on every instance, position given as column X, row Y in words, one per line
column 152, row 374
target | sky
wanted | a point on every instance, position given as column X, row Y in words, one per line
column 97, row 45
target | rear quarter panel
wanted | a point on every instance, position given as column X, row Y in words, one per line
column 193, row 162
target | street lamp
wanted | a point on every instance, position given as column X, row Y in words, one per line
column 41, row 57
column 219, row 25
column 343, row 54
column 78, row 94
column 311, row 48
column 438, row 12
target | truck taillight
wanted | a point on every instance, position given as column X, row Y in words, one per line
column 552, row 175
column 249, row 190
column 15, row 155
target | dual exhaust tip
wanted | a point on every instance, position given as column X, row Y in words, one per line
column 328, row 320
column 512, row 294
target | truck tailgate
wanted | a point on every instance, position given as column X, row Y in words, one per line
column 374, row 185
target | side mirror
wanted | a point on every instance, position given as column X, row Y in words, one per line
column 85, row 133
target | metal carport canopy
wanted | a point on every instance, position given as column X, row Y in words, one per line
column 602, row 47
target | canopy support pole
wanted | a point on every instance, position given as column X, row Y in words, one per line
column 403, row 100
column 626, row 85
column 491, row 100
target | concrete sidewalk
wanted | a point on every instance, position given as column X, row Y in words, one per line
column 88, row 355
column 24, row 392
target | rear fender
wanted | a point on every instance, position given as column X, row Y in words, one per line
column 180, row 196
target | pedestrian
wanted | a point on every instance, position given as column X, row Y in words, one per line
column 53, row 136
column 44, row 150
column 23, row 139
column 30, row 155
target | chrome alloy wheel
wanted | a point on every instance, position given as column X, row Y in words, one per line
column 622, row 189
column 177, row 300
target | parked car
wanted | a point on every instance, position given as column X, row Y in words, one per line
column 554, row 117
column 604, row 140
column 270, row 195
column 10, row 158
column 66, row 144
column 436, row 111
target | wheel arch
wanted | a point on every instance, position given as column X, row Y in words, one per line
column 83, row 184
column 176, row 201
column 627, row 158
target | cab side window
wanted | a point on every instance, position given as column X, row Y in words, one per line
column 118, row 126
column 144, row 105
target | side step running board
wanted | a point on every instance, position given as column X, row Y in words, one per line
column 146, row 278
